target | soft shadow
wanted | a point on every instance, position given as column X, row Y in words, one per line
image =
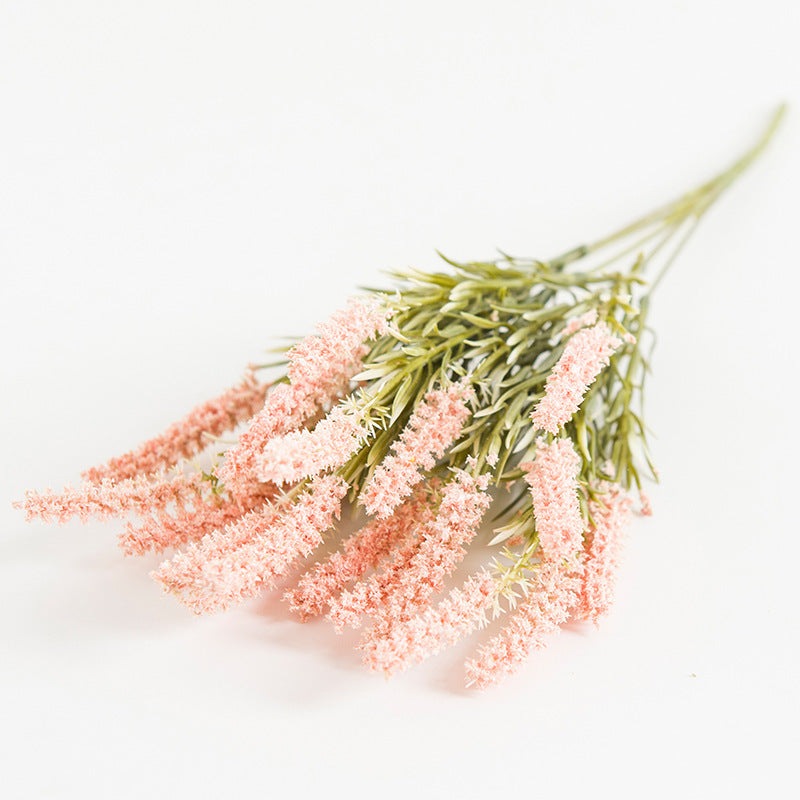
column 80, row 586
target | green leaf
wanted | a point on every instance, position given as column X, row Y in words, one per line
column 401, row 399
column 486, row 324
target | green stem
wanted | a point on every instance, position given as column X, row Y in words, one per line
column 692, row 204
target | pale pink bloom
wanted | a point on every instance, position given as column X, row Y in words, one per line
column 584, row 591
column 363, row 550
column 164, row 528
column 185, row 573
column 412, row 640
column 367, row 595
column 584, row 356
column 181, row 572
column 552, row 478
column 492, row 459
column 553, row 482
column 434, row 425
column 320, row 369
column 610, row 513
column 646, row 509
column 543, row 611
column 583, row 321
column 319, row 360
column 109, row 498
column 274, row 544
column 188, row 436
column 464, row 502
column 286, row 408
column 301, row 454
column 161, row 531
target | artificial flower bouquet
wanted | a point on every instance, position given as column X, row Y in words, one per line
column 501, row 394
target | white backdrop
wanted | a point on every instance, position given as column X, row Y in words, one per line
column 182, row 183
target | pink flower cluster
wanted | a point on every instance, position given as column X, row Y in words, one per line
column 412, row 640
column 259, row 547
column 421, row 564
column 320, row 369
column 552, row 478
column 178, row 574
column 610, row 514
column 364, row 550
column 434, row 425
column 463, row 504
column 163, row 528
column 301, row 454
column 173, row 508
column 368, row 595
column 188, row 436
column 109, row 498
column 585, row 355
column 554, row 490
column 275, row 495
column 543, row 611
column 319, row 361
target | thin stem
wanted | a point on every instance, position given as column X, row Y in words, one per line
column 636, row 246
column 689, row 204
column 669, row 262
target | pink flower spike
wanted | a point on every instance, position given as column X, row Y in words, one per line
column 584, row 357
column 318, row 361
column 184, row 571
column 301, row 454
column 464, row 501
column 552, row 478
column 542, row 612
column 108, row 498
column 610, row 514
column 275, row 542
column 411, row 641
column 320, row 370
column 367, row 595
column 553, row 482
column 163, row 529
column 286, row 408
column 434, row 425
column 178, row 573
column 188, row 436
column 363, row 550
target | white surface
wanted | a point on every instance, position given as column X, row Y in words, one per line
column 184, row 182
